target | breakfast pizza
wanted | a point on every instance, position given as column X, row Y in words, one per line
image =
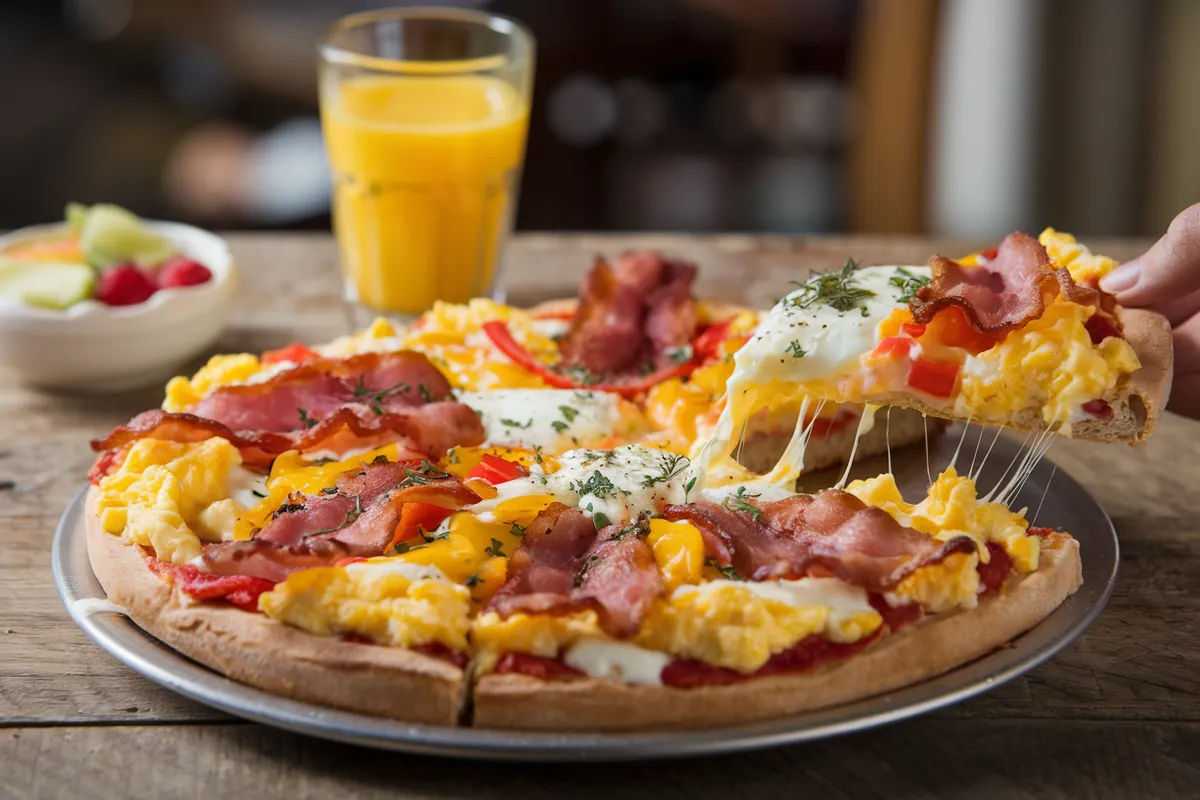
column 585, row 515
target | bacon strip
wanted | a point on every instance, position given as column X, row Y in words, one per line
column 631, row 314
column 1011, row 289
column 356, row 520
column 431, row 429
column 563, row 564
column 375, row 383
column 365, row 400
column 1001, row 296
column 832, row 533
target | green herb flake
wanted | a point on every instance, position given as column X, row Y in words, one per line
column 596, row 485
column 517, row 530
column 473, row 581
column 738, row 502
column 838, row 290
column 496, row 548
column 512, row 423
column 569, row 413
column 305, row 419
column 907, row 283
column 795, row 350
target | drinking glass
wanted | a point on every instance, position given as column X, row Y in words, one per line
column 425, row 113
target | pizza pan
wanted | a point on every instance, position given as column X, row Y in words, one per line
column 1054, row 499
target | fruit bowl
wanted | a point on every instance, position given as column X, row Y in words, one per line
column 91, row 347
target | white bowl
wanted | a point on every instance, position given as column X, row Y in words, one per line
column 94, row 348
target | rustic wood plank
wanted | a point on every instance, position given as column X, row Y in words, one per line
column 926, row 758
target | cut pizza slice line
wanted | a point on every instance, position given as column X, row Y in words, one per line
column 1011, row 338
column 601, row 579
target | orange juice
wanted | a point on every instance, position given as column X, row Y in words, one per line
column 425, row 174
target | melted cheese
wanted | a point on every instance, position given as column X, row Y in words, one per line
column 620, row 484
column 617, row 661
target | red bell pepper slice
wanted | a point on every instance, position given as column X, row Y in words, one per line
column 496, row 470
column 706, row 344
column 294, row 352
column 894, row 347
column 500, row 336
column 417, row 517
column 936, row 378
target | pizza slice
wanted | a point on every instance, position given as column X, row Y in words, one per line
column 1020, row 337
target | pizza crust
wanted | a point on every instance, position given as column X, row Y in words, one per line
column 381, row 681
column 918, row 653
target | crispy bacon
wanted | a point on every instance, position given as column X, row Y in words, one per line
column 563, row 564
column 997, row 297
column 371, row 383
column 832, row 533
column 754, row 550
column 631, row 314
column 1009, row 290
column 357, row 519
column 430, row 430
column 365, row 400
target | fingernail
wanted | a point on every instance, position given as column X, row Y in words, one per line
column 1122, row 278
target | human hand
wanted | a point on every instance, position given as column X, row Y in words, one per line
column 1166, row 278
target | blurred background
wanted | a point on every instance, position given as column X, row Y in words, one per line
column 966, row 117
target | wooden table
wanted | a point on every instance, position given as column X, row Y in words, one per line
column 1117, row 714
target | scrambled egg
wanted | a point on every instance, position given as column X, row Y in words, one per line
column 224, row 370
column 384, row 600
column 171, row 496
column 1085, row 266
column 452, row 337
column 951, row 508
column 1050, row 361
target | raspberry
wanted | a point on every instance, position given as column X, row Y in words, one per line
column 124, row 285
column 182, row 271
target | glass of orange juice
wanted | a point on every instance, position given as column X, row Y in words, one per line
column 425, row 113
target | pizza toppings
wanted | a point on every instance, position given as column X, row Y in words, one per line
column 635, row 312
column 564, row 564
column 636, row 327
column 831, row 533
column 357, row 517
column 997, row 297
column 429, row 429
column 239, row 590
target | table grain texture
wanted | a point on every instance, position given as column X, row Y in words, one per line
column 1115, row 715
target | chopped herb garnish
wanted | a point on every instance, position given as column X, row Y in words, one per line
column 738, row 502
column 836, row 289
column 559, row 425
column 305, row 419
column 687, row 488
column 728, row 572
column 423, row 390
column 288, row 508
column 473, row 581
column 600, row 520
column 597, row 485
column 670, row 465
column 512, row 423
column 795, row 350
column 452, row 456
column 517, row 530
column 329, row 490
column 680, row 355
column 406, row 547
column 351, row 515
column 537, row 454
column 496, row 548
column 379, row 459
column 432, row 536
column 907, row 282
column 257, row 493
column 569, row 413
